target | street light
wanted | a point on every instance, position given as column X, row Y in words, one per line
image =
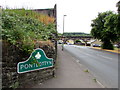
column 63, row 32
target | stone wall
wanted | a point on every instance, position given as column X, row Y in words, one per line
column 11, row 55
column 52, row 13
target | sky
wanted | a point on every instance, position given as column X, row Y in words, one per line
column 79, row 13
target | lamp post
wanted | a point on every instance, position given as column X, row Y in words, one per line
column 63, row 32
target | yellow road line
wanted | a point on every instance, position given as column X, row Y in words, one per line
column 115, row 51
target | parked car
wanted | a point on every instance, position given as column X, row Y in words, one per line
column 60, row 42
column 96, row 45
column 69, row 43
column 117, row 45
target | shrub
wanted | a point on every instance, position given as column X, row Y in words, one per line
column 23, row 30
column 107, row 45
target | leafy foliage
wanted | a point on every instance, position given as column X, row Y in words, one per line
column 111, row 27
column 118, row 5
column 23, row 30
column 33, row 14
column 105, row 27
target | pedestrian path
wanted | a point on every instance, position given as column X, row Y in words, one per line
column 69, row 74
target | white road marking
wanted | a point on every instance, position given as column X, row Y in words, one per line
column 78, row 61
column 101, row 84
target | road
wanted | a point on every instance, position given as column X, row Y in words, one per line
column 103, row 65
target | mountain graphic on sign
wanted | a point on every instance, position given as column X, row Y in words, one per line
column 37, row 60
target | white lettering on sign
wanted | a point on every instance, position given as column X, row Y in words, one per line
column 21, row 67
column 45, row 63
column 26, row 66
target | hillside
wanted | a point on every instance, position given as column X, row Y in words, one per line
column 76, row 34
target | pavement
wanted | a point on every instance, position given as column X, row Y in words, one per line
column 69, row 74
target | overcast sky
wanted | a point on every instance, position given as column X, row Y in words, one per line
column 79, row 12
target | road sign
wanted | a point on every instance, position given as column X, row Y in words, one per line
column 37, row 60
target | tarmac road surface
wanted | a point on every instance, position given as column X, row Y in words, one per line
column 103, row 65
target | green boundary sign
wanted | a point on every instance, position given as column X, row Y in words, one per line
column 37, row 60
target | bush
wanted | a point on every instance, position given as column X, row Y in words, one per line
column 23, row 31
column 107, row 45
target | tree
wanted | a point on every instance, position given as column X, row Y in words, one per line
column 112, row 26
column 104, row 27
column 118, row 5
column 118, row 25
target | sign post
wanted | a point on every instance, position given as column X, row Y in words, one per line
column 37, row 60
